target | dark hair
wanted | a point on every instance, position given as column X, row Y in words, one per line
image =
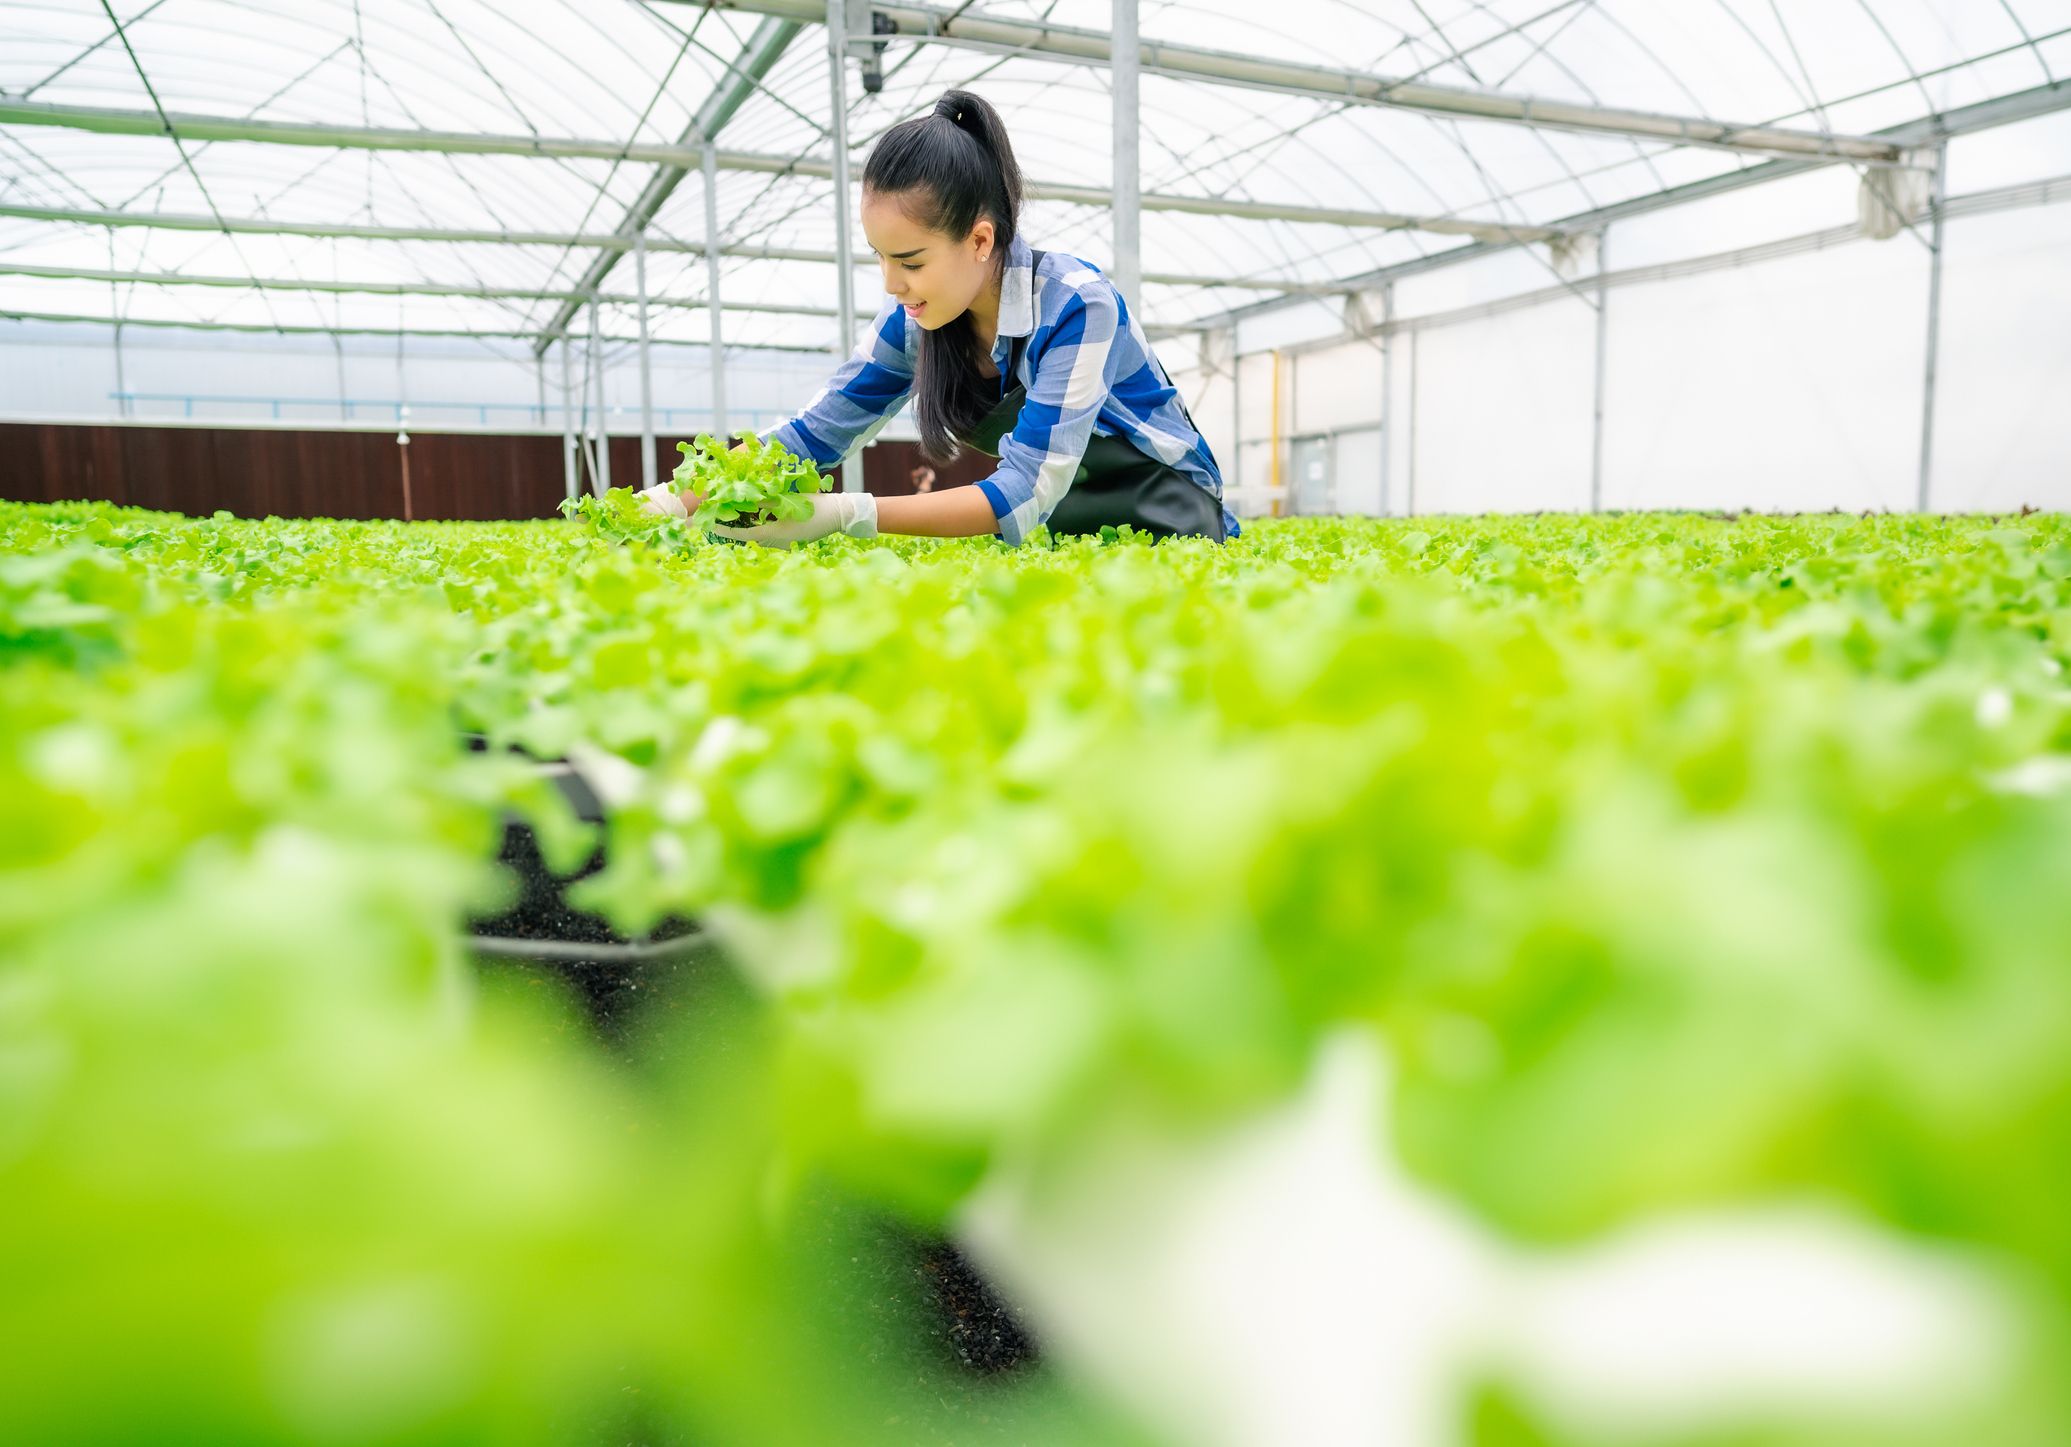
column 955, row 167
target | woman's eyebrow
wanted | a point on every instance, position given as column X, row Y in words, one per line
column 900, row 255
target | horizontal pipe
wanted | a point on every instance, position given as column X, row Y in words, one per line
column 16, row 314
column 603, row 240
column 383, row 288
column 1927, row 130
column 1194, row 63
column 105, row 121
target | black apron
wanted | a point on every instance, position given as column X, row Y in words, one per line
column 1116, row 483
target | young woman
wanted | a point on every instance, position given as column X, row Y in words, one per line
column 1027, row 356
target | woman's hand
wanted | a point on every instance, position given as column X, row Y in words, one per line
column 853, row 513
column 664, row 501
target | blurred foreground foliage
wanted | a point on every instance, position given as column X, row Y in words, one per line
column 1680, row 861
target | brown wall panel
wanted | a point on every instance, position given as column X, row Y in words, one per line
column 279, row 472
column 888, row 467
column 260, row 472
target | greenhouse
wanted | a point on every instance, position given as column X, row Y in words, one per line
column 1035, row 721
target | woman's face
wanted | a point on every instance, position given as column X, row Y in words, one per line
column 934, row 276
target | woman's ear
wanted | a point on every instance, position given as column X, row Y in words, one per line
column 982, row 238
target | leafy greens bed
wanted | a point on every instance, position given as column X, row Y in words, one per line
column 1677, row 861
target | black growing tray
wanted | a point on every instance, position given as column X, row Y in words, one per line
column 619, row 980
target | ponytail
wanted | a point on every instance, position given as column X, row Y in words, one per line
column 953, row 167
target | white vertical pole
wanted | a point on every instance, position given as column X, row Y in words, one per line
column 540, row 367
column 646, row 375
column 1387, row 392
column 1236, row 413
column 1409, row 506
column 601, row 427
column 568, row 467
column 1603, row 317
column 712, row 310
column 1934, row 327
column 1128, row 216
column 123, row 407
column 844, row 266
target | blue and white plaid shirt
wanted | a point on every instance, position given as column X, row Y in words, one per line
column 1087, row 368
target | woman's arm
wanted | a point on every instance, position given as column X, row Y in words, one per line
column 955, row 512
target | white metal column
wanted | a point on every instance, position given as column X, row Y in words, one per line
column 1236, row 414
column 600, row 429
column 1934, row 326
column 844, row 261
column 1603, row 314
column 1409, row 507
column 1387, row 392
column 712, row 299
column 1128, row 214
column 568, row 468
column 646, row 375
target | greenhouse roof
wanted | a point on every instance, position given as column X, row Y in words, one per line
column 456, row 166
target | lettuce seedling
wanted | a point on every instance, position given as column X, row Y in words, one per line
column 756, row 482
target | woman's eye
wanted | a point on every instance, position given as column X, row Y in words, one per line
column 909, row 266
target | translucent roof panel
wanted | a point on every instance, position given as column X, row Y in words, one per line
column 437, row 75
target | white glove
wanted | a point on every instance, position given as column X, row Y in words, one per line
column 664, row 501
column 853, row 513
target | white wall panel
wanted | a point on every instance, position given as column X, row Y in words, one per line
column 2003, row 420
column 1503, row 412
column 1790, row 385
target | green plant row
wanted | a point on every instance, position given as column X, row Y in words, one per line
column 1677, row 861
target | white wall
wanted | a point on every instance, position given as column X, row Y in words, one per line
column 1791, row 385
column 1787, row 384
column 1503, row 412
column 2003, row 418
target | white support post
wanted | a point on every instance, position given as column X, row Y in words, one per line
column 1128, row 212
column 1387, row 392
column 569, row 471
column 539, row 367
column 712, row 297
column 1236, row 414
column 1934, row 326
column 1410, row 501
column 646, row 375
column 1603, row 315
column 600, row 428
column 844, row 261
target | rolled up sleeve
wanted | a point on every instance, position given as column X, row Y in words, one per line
column 1068, row 384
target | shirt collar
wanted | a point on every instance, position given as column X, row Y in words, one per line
column 1017, row 291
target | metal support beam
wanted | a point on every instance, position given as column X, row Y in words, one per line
column 836, row 16
column 1603, row 318
column 756, row 59
column 1128, row 213
column 714, row 302
column 231, row 128
column 385, row 288
column 1077, row 46
column 1236, row 414
column 569, row 470
column 601, row 426
column 1925, row 131
column 1387, row 394
column 273, row 329
column 1934, row 325
column 646, row 370
column 1410, row 502
column 246, row 226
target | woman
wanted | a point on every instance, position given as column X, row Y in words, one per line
column 1030, row 357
